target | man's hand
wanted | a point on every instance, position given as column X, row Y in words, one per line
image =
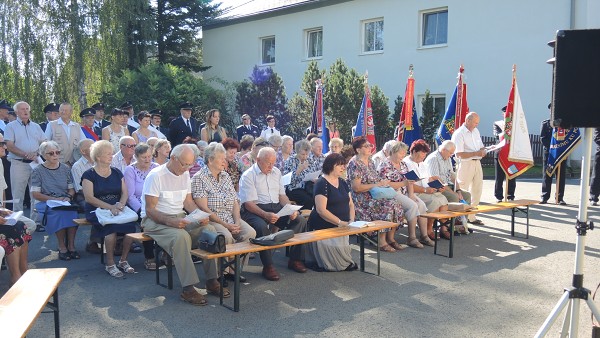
column 5, row 212
column 179, row 223
column 294, row 215
column 271, row 218
column 233, row 228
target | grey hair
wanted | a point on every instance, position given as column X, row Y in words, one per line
column 315, row 140
column 337, row 141
column 98, row 147
column 83, row 142
column 16, row 106
column 447, row 145
column 397, row 147
column 285, row 138
column 64, row 105
column 152, row 139
column 125, row 138
column 275, row 141
column 266, row 151
column 212, row 150
column 178, row 150
column 47, row 144
column 141, row 149
column 202, row 144
column 301, row 146
column 388, row 145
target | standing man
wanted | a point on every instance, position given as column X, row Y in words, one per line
column 156, row 119
column 66, row 133
column 595, row 185
column 270, row 130
column 184, row 125
column 51, row 111
column 23, row 138
column 4, row 107
column 500, row 176
column 262, row 195
column 546, row 135
column 132, row 124
column 247, row 128
column 470, row 150
column 167, row 194
column 99, row 121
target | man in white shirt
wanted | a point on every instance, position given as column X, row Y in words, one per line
column 262, row 196
column 66, row 133
column 382, row 155
column 167, row 194
column 124, row 156
column 469, row 151
column 439, row 164
column 270, row 130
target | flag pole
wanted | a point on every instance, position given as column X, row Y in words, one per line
column 557, row 183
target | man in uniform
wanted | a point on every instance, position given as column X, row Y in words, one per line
column 247, row 128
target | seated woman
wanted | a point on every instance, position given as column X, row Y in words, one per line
column 433, row 198
column 104, row 187
column 248, row 159
column 299, row 165
column 335, row 146
column 231, row 148
column 162, row 149
column 14, row 243
column 394, row 170
column 214, row 193
column 212, row 131
column 362, row 177
column 52, row 180
column 333, row 208
column 135, row 174
column 287, row 149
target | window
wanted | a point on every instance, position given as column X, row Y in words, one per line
column 373, row 35
column 439, row 103
column 435, row 28
column 314, row 43
column 268, row 50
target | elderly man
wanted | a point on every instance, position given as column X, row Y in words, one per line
column 382, row 155
column 262, row 196
column 247, row 128
column 124, row 156
column 469, row 151
column 51, row 111
column 184, row 125
column 99, row 121
column 167, row 192
column 23, row 138
column 87, row 118
column 440, row 165
column 66, row 133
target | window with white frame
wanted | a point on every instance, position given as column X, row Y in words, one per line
column 372, row 35
column 435, row 27
column 314, row 43
column 268, row 50
column 439, row 103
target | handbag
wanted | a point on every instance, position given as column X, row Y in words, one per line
column 380, row 193
column 212, row 242
column 125, row 216
column 273, row 239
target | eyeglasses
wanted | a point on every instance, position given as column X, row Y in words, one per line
column 2, row 143
column 52, row 153
column 128, row 145
column 367, row 145
column 184, row 165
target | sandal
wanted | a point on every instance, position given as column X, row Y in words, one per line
column 397, row 246
column 74, row 254
column 425, row 240
column 150, row 264
column 216, row 292
column 113, row 271
column 432, row 236
column 445, row 234
column 124, row 265
column 64, row 256
column 414, row 242
column 387, row 248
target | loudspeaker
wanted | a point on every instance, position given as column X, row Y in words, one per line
column 576, row 79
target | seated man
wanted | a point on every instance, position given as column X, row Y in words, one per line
column 167, row 192
column 440, row 165
column 262, row 196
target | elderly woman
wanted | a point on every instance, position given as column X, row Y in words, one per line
column 135, row 174
column 433, row 198
column 299, row 165
column 212, row 132
column 335, row 146
column 395, row 170
column 248, row 159
column 105, row 188
column 162, row 149
column 333, row 208
column 287, row 148
column 143, row 133
column 231, row 148
column 275, row 142
column 362, row 177
column 214, row 193
column 245, row 145
column 52, row 180
column 115, row 130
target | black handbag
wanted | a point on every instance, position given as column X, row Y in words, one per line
column 212, row 242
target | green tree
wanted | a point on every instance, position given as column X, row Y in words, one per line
column 430, row 119
column 300, row 109
column 381, row 115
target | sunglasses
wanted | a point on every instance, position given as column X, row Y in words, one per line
column 2, row 143
column 128, row 145
column 52, row 153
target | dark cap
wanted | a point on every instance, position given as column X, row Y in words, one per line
column 156, row 112
column 4, row 105
column 51, row 107
column 98, row 106
column 186, row 105
column 503, row 109
column 117, row 111
column 549, row 105
column 11, row 111
column 126, row 105
column 87, row 112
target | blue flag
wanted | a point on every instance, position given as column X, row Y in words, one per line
column 563, row 141
column 360, row 121
column 446, row 128
column 412, row 135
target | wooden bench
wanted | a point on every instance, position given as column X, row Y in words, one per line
column 82, row 222
column 239, row 250
column 25, row 300
column 141, row 237
column 517, row 206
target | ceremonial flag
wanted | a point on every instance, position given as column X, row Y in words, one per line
column 456, row 112
column 317, row 116
column 364, row 123
column 408, row 128
column 515, row 156
column 563, row 141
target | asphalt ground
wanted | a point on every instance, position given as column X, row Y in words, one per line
column 495, row 286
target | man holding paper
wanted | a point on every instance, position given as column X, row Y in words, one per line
column 263, row 196
column 167, row 192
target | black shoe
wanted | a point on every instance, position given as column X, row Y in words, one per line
column 231, row 277
column 544, row 202
column 40, row 228
column 561, row 202
column 135, row 248
column 196, row 260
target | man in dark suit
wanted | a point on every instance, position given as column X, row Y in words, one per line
column 183, row 126
column 247, row 128
column 132, row 124
column 546, row 136
column 99, row 121
column 51, row 111
column 595, row 184
column 500, row 176
column 156, row 116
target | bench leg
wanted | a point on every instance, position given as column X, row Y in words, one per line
column 169, row 263
column 378, row 254
column 435, row 236
column 102, row 250
column 451, row 249
column 361, row 240
column 514, row 211
column 53, row 306
column 237, row 268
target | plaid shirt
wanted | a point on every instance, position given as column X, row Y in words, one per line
column 220, row 193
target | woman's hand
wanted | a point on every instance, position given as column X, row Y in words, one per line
column 5, row 212
column 2, row 220
column 233, row 228
column 383, row 183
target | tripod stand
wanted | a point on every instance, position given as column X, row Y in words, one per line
column 576, row 292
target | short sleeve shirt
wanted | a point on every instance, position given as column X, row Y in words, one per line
column 170, row 189
column 467, row 141
column 220, row 194
column 257, row 187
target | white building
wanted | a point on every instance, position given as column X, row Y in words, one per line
column 386, row 36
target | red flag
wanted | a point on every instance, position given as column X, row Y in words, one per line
column 462, row 108
column 515, row 156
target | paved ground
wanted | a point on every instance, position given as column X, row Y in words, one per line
column 494, row 286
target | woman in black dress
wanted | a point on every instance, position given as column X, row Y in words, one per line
column 333, row 208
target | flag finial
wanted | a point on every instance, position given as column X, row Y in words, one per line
column 514, row 68
column 411, row 68
column 461, row 69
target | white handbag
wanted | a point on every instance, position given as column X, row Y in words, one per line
column 125, row 216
